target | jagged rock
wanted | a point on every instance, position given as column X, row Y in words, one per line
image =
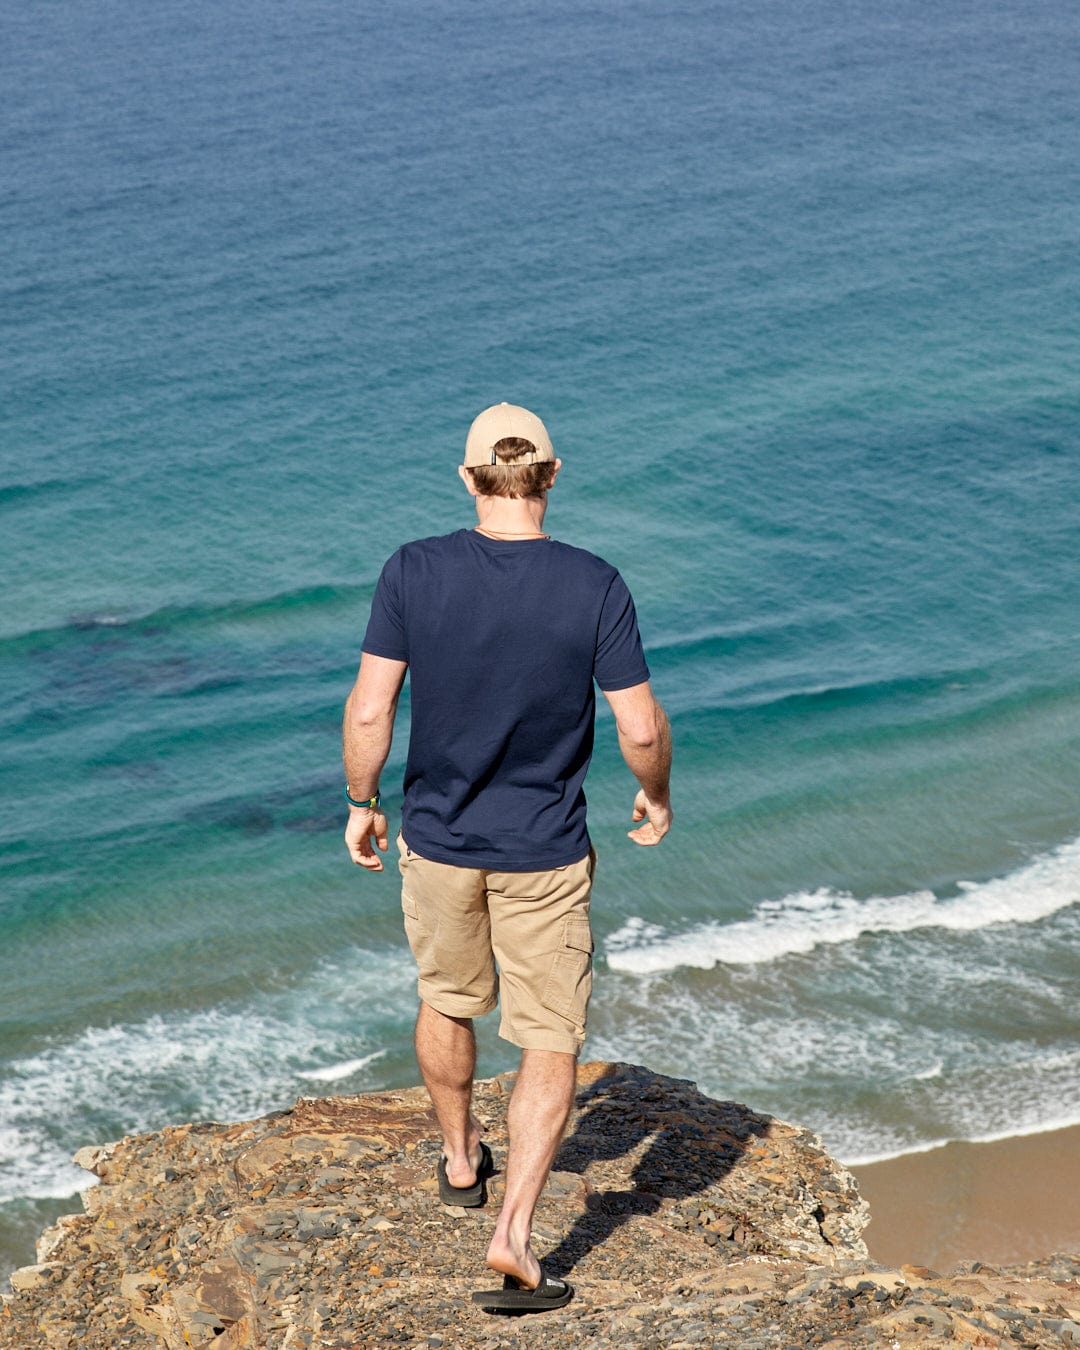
column 681, row 1220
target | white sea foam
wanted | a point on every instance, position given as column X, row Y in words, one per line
column 873, row 1082
column 224, row 1063
column 99, row 620
column 884, row 1048
column 807, row 919
column 333, row 1073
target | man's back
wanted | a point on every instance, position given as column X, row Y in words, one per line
column 503, row 631
column 503, row 639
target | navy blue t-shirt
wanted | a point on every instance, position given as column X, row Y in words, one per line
column 503, row 641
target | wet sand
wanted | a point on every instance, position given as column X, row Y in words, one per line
column 1007, row 1201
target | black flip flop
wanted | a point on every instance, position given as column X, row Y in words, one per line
column 468, row 1196
column 515, row 1297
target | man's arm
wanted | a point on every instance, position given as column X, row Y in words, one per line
column 645, row 742
column 367, row 733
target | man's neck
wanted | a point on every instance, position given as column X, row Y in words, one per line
column 511, row 517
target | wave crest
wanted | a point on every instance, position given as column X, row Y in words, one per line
column 804, row 920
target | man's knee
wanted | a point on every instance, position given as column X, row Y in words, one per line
column 550, row 1073
column 428, row 1013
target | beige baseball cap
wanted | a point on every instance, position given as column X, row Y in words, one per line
column 496, row 424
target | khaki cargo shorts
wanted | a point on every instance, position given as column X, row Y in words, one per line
column 460, row 921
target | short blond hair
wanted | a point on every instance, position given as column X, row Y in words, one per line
column 508, row 478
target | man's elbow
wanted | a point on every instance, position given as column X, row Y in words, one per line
column 641, row 733
column 362, row 712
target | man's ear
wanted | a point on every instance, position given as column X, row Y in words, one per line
column 555, row 472
column 467, row 479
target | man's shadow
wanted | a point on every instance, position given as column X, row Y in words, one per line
column 694, row 1142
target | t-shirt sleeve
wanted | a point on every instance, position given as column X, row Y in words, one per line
column 385, row 634
column 620, row 659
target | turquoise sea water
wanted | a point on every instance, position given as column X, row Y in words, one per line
column 795, row 288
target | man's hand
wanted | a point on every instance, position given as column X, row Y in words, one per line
column 365, row 824
column 657, row 821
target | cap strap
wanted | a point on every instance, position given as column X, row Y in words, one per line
column 532, row 456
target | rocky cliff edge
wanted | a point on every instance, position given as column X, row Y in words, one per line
column 681, row 1221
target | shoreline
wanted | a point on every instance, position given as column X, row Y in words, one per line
column 1002, row 1200
column 874, row 1160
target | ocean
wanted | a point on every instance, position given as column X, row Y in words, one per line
column 795, row 288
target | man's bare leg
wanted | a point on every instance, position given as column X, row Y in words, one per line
column 446, row 1054
column 539, row 1108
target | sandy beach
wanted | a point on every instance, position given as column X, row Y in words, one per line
column 1007, row 1201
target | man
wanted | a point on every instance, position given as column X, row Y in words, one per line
column 503, row 631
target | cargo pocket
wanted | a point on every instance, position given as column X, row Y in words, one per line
column 416, row 931
column 569, row 981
